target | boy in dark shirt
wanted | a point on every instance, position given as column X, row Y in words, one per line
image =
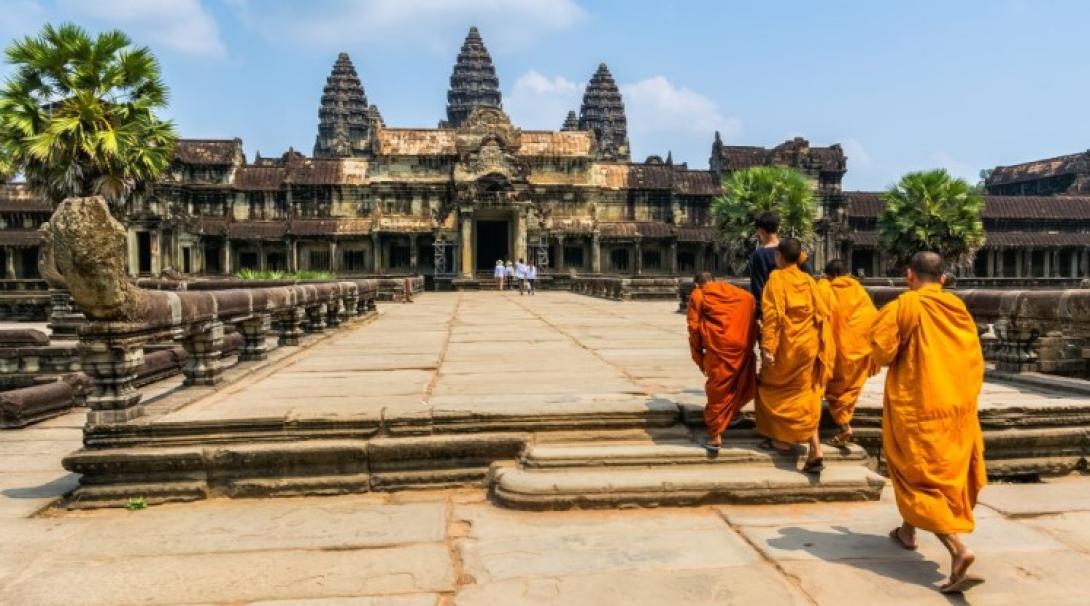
column 763, row 260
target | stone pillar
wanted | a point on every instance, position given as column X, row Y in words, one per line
column 595, row 253
column 262, row 263
column 291, row 327
column 638, row 261
column 112, row 368
column 673, row 258
column 9, row 262
column 155, row 241
column 351, row 305
column 465, row 216
column 226, row 265
column 254, row 330
column 558, row 263
column 316, row 318
column 335, row 313
column 292, row 256
column 1048, row 264
column 414, row 262
column 1019, row 261
column 333, row 264
column 520, row 235
column 1085, row 264
column 204, row 348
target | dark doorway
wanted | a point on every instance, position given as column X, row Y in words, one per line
column 491, row 243
column 143, row 252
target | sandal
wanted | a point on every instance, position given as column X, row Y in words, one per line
column 895, row 536
column 768, row 446
column 842, row 439
column 814, row 466
column 712, row 448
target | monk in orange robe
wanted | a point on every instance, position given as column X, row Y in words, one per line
column 722, row 320
column 797, row 357
column 930, row 429
column 852, row 313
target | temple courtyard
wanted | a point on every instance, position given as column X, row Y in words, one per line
column 557, row 367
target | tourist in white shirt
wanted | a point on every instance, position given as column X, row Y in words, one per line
column 520, row 273
column 509, row 275
column 500, row 273
column 531, row 276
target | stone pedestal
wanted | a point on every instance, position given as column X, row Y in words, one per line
column 254, row 331
column 351, row 306
column 316, row 316
column 204, row 347
column 335, row 314
column 64, row 319
column 291, row 327
column 112, row 367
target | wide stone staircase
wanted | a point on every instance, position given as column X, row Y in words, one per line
column 676, row 472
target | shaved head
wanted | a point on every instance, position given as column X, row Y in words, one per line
column 791, row 250
column 702, row 278
column 928, row 266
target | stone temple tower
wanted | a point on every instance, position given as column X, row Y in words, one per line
column 571, row 122
column 603, row 112
column 345, row 121
column 473, row 83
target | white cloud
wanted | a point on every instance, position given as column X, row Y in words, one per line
column 332, row 24
column 655, row 105
column 957, row 168
column 179, row 25
column 538, row 101
column 858, row 157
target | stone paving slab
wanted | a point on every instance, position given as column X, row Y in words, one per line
column 1023, row 500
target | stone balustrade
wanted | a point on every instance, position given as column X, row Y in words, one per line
column 630, row 288
column 112, row 352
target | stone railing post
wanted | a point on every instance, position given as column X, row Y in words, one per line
column 254, row 331
column 335, row 314
column 316, row 315
column 112, row 366
column 351, row 305
column 291, row 327
column 202, row 367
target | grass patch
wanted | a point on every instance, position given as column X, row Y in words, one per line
column 136, row 503
column 254, row 274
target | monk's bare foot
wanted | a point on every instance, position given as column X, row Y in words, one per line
column 960, row 579
column 907, row 540
column 843, row 438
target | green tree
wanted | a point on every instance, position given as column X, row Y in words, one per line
column 930, row 210
column 77, row 115
column 750, row 192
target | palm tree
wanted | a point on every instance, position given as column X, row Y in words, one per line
column 930, row 210
column 77, row 115
column 750, row 192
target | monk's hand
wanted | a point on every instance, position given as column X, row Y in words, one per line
column 768, row 358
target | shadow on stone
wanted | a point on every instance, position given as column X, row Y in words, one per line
column 54, row 488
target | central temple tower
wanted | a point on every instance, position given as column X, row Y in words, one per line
column 473, row 83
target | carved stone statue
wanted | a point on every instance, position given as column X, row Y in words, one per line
column 47, row 266
column 88, row 249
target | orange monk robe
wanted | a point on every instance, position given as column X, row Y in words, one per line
column 796, row 333
column 930, row 429
column 722, row 321
column 852, row 315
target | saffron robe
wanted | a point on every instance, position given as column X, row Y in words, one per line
column 722, row 321
column 852, row 315
column 930, row 429
column 796, row 332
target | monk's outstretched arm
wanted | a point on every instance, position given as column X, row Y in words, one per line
column 692, row 318
column 885, row 335
column 772, row 322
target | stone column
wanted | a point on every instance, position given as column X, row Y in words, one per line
column 1084, row 268
column 262, row 263
column 673, row 257
column 291, row 256
column 112, row 367
column 226, row 265
column 316, row 318
column 9, row 262
column 376, row 253
column 155, row 242
column 520, row 235
column 414, row 262
column 638, row 261
column 559, row 261
column 291, row 327
column 204, row 348
column 1019, row 261
column 333, row 264
column 465, row 216
column 1048, row 264
column 254, row 330
column 595, row 253
column 335, row 313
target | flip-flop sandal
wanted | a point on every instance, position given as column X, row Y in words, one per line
column 841, row 440
column 815, row 466
column 895, row 536
column 712, row 448
column 768, row 446
column 965, row 583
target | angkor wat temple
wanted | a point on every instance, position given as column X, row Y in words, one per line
column 450, row 201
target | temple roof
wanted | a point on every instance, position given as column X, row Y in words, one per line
column 19, row 197
column 209, row 152
column 795, row 153
column 602, row 113
column 1038, row 169
column 626, row 175
column 344, row 118
column 20, row 238
column 870, row 204
column 571, row 122
column 473, row 81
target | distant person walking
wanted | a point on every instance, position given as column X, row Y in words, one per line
column 531, row 277
column 500, row 273
column 520, row 275
column 509, row 275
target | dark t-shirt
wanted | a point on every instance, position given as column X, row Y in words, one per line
column 761, row 263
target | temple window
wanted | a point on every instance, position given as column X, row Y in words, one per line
column 573, row 256
column 318, row 260
column 618, row 259
column 651, row 259
column 399, row 256
column 354, row 260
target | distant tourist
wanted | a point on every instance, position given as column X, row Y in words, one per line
column 499, row 273
column 797, row 358
column 852, row 315
column 931, row 433
column 763, row 260
column 509, row 275
column 722, row 325
column 520, row 275
column 531, row 277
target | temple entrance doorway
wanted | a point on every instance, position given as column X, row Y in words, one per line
column 492, row 243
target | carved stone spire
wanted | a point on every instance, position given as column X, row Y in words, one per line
column 473, row 83
column 345, row 121
column 603, row 112
column 571, row 122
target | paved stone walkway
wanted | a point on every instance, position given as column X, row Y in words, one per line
column 453, row 547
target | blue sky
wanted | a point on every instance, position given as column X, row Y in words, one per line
column 901, row 85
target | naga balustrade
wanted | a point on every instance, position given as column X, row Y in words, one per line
column 624, row 288
column 112, row 351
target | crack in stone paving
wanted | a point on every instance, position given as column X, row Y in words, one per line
column 452, row 322
column 792, row 578
column 456, row 529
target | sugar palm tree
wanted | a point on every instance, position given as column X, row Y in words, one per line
column 750, row 192
column 930, row 210
column 77, row 116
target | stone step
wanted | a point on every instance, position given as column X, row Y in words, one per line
column 679, row 485
column 555, row 456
